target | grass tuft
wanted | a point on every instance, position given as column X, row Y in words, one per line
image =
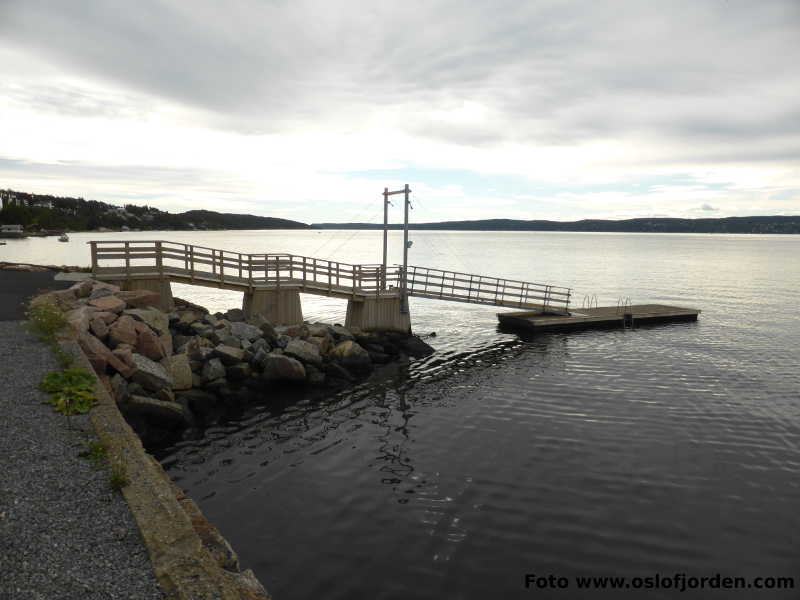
column 71, row 391
column 119, row 477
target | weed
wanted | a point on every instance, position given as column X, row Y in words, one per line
column 96, row 453
column 71, row 390
column 46, row 319
column 119, row 477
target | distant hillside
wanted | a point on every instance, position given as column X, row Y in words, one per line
column 768, row 224
column 40, row 211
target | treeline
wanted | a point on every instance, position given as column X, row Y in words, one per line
column 77, row 214
column 765, row 224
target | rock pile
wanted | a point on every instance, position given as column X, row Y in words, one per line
column 170, row 372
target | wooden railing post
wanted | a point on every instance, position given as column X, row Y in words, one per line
column 94, row 257
column 159, row 260
column 127, row 259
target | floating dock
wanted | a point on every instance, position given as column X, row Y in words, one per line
column 598, row 317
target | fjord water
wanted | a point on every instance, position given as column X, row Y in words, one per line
column 668, row 449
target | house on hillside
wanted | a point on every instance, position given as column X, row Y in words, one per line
column 11, row 231
column 10, row 198
column 41, row 203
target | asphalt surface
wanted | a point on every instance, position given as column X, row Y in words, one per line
column 64, row 533
column 16, row 287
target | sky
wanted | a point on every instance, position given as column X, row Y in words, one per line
column 306, row 110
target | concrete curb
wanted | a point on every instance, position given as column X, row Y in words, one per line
column 184, row 568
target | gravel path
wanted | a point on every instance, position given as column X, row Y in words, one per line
column 63, row 532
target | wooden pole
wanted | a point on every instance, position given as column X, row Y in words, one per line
column 385, row 233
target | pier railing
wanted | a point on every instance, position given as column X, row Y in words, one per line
column 426, row 282
column 189, row 263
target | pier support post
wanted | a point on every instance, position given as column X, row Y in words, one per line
column 378, row 314
column 159, row 286
column 279, row 307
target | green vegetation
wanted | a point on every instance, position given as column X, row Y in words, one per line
column 71, row 390
column 96, row 453
column 77, row 214
column 46, row 320
column 119, row 477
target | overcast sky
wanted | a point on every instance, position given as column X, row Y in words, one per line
column 306, row 109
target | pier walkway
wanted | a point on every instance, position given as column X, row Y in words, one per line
column 271, row 283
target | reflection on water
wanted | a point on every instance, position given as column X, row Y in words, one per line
column 623, row 452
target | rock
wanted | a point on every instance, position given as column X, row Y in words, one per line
column 80, row 318
column 108, row 304
column 201, row 329
column 352, row 356
column 259, row 358
column 414, row 346
column 319, row 330
column 258, row 345
column 172, row 412
column 125, row 354
column 238, row 372
column 379, row 358
column 282, row 341
column 166, row 395
column 150, row 375
column 99, row 292
column 267, row 330
column 314, row 376
column 324, row 344
column 336, row 371
column 157, row 320
column 235, row 315
column 99, row 328
column 245, row 331
column 179, row 369
column 82, row 289
column 166, row 343
column 148, row 343
column 119, row 386
column 296, row 331
column 187, row 317
column 228, row 354
column 107, row 317
column 100, row 356
column 213, row 370
column 140, row 298
column 232, row 340
column 304, row 351
column 216, row 385
column 198, row 349
column 122, row 331
column 102, row 285
column 278, row 367
column 203, row 404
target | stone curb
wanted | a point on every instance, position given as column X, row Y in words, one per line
column 183, row 566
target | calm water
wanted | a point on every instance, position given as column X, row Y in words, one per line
column 654, row 450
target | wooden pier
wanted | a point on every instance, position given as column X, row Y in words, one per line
column 597, row 317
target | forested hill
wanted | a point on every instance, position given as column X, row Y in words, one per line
column 39, row 211
column 768, row 224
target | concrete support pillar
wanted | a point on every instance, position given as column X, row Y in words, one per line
column 279, row 307
column 378, row 314
column 160, row 286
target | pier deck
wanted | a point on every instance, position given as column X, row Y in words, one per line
column 603, row 316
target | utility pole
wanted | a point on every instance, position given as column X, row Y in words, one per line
column 404, row 300
column 385, row 234
column 386, row 193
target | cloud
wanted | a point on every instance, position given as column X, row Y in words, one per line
column 555, row 92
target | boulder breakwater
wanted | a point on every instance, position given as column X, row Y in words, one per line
column 174, row 373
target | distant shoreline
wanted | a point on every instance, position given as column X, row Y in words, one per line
column 752, row 225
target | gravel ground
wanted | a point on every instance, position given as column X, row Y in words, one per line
column 63, row 532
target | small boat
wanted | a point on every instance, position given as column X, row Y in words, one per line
column 63, row 238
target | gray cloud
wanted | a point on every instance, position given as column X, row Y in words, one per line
column 554, row 72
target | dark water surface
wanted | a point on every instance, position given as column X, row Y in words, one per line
column 624, row 452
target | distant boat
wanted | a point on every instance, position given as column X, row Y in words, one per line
column 63, row 238
column 12, row 231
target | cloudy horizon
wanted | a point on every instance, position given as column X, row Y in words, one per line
column 306, row 111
